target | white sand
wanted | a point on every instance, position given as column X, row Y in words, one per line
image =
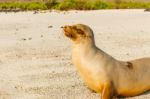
column 35, row 61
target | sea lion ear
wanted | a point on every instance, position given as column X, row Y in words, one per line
column 129, row 65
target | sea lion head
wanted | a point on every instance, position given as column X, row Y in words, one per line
column 78, row 32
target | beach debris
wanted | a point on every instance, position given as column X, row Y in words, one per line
column 62, row 27
column 29, row 38
column 17, row 29
column 148, row 9
column 35, row 12
column 50, row 26
column 41, row 36
column 24, row 39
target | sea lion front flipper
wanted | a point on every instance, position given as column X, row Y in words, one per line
column 107, row 91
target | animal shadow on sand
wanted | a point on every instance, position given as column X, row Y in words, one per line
column 146, row 93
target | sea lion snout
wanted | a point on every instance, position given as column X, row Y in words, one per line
column 67, row 30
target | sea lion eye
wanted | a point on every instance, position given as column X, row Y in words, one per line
column 79, row 31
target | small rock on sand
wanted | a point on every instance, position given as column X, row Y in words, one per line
column 23, row 39
column 50, row 26
column 29, row 38
column 147, row 9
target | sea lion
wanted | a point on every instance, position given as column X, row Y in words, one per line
column 103, row 73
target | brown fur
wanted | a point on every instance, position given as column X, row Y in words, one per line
column 103, row 73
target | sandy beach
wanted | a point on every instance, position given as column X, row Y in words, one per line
column 35, row 56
